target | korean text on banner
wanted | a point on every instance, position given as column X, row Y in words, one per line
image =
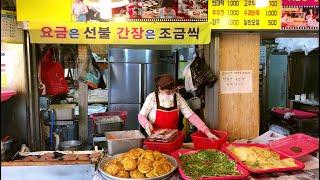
column 244, row 14
column 121, row 33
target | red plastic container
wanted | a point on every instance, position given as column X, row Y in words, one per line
column 284, row 146
column 244, row 173
column 165, row 147
column 201, row 141
column 297, row 113
column 299, row 164
column 7, row 94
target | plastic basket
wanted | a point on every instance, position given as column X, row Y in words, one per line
column 299, row 165
column 307, row 144
column 165, row 147
column 201, row 141
column 243, row 172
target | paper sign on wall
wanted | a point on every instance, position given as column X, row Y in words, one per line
column 232, row 82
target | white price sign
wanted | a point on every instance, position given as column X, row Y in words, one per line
column 232, row 82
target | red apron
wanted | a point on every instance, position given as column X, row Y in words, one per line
column 166, row 118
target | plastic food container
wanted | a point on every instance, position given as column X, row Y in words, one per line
column 201, row 141
column 297, row 113
column 122, row 141
column 7, row 94
column 299, row 164
column 243, row 172
column 296, row 145
column 166, row 147
column 108, row 121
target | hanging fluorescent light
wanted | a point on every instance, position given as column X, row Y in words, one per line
column 262, row 3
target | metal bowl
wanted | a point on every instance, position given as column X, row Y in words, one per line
column 163, row 177
column 72, row 145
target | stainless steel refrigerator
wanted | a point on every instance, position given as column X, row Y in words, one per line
column 131, row 78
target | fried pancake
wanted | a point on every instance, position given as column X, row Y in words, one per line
column 145, row 165
column 151, row 174
column 158, row 156
column 121, row 157
column 136, row 153
column 136, row 174
column 147, row 155
column 161, row 168
column 112, row 168
column 123, row 174
column 129, row 164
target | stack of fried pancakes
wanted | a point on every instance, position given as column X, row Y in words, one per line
column 138, row 163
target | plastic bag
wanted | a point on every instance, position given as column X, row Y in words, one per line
column 51, row 76
column 92, row 77
column 297, row 44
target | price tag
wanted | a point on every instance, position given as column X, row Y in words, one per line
column 244, row 14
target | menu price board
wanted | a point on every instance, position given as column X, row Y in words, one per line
column 244, row 14
column 3, row 71
column 9, row 28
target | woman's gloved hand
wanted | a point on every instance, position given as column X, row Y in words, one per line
column 148, row 128
column 211, row 136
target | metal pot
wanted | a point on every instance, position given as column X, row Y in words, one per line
column 73, row 145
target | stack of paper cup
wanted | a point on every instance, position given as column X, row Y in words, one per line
column 303, row 97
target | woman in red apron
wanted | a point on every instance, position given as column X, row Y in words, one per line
column 161, row 108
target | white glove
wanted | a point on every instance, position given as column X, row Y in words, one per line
column 212, row 136
column 148, row 128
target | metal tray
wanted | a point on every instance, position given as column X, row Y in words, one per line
column 163, row 177
column 122, row 141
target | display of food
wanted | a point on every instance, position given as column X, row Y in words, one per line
column 259, row 158
column 207, row 163
column 138, row 163
column 58, row 156
column 163, row 135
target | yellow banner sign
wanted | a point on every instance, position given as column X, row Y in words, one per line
column 121, row 33
column 244, row 14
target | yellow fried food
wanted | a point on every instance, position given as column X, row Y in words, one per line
column 162, row 167
column 112, row 168
column 145, row 165
column 136, row 174
column 288, row 162
column 158, row 156
column 123, row 174
column 261, row 158
column 147, row 155
column 129, row 164
column 136, row 153
column 121, row 157
column 151, row 174
column 138, row 163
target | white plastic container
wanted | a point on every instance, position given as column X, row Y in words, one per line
column 122, row 141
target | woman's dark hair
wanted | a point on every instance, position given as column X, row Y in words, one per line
column 165, row 81
column 168, row 86
column 167, row 3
